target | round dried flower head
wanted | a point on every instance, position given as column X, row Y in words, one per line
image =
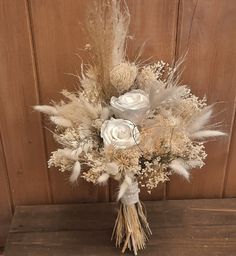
column 146, row 78
column 123, row 76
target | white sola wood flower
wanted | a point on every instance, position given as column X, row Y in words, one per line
column 133, row 100
column 131, row 105
column 120, row 133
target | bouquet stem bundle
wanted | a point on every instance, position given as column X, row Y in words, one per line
column 131, row 229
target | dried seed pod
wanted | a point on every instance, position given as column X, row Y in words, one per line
column 146, row 78
column 123, row 76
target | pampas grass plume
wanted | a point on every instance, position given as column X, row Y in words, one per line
column 61, row 121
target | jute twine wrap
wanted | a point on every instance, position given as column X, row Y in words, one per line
column 131, row 228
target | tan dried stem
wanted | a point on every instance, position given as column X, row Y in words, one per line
column 131, row 228
column 107, row 27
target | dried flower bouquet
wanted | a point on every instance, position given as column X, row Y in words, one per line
column 130, row 122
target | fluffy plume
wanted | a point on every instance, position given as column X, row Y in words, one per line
column 179, row 167
column 206, row 134
column 123, row 187
column 162, row 95
column 61, row 121
column 107, row 28
column 105, row 114
column 49, row 110
column 75, row 172
column 199, row 120
column 112, row 168
column 103, row 178
column 70, row 154
column 79, row 109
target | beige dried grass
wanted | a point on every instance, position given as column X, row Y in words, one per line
column 107, row 27
column 131, row 228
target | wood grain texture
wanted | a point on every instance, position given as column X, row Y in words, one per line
column 230, row 177
column 183, row 227
column 206, row 30
column 20, row 128
column 58, row 38
column 5, row 198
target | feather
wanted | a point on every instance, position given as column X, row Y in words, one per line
column 162, row 95
column 206, row 134
column 124, row 186
column 105, row 113
column 112, row 168
column 49, row 110
column 61, row 121
column 103, row 178
column 70, row 154
column 76, row 152
column 75, row 172
column 199, row 120
column 179, row 167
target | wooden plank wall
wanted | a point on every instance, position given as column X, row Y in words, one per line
column 39, row 40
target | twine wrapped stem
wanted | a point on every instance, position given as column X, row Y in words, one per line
column 131, row 228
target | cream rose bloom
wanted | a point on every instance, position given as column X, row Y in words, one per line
column 131, row 105
column 133, row 100
column 120, row 133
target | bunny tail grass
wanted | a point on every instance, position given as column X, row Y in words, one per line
column 131, row 228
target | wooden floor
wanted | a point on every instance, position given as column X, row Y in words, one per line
column 189, row 227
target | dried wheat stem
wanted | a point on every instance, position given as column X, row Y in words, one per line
column 131, row 229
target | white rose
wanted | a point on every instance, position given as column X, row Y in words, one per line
column 131, row 105
column 120, row 133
